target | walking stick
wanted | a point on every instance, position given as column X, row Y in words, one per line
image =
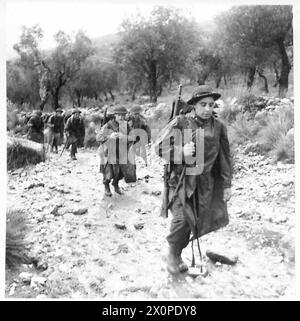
column 66, row 143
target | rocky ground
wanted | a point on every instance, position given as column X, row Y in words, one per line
column 89, row 246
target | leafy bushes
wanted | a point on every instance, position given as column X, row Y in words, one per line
column 268, row 132
column 252, row 104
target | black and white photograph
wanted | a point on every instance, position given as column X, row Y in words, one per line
column 150, row 151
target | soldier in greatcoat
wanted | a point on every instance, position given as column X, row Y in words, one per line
column 197, row 199
column 74, row 130
column 139, row 122
column 116, row 162
column 56, row 124
column 35, row 127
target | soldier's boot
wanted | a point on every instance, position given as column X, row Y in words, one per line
column 73, row 156
column 117, row 188
column 173, row 261
column 182, row 265
column 107, row 190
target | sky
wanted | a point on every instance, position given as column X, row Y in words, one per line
column 96, row 18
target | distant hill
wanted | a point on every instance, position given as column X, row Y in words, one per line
column 104, row 46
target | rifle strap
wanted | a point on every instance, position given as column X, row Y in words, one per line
column 198, row 243
column 200, row 254
column 181, row 180
column 193, row 255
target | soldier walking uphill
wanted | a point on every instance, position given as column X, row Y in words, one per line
column 115, row 160
column 197, row 200
column 74, row 131
column 139, row 122
column 56, row 124
column 35, row 127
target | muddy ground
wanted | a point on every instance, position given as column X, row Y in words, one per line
column 89, row 246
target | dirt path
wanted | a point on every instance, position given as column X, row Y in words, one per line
column 84, row 254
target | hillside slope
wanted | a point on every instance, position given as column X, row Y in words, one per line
column 89, row 246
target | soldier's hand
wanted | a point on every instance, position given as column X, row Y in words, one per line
column 114, row 135
column 189, row 149
column 227, row 194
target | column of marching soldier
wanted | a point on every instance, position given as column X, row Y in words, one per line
column 198, row 202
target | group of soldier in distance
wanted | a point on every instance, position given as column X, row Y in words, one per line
column 196, row 193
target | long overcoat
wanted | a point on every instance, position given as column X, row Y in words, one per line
column 201, row 195
column 76, row 129
column 116, row 156
column 35, row 129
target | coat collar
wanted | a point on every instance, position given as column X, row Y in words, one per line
column 204, row 122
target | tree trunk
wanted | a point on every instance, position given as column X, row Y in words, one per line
column 160, row 90
column 218, row 80
column 285, row 69
column 276, row 75
column 111, row 95
column 78, row 97
column 56, row 97
column 261, row 74
column 44, row 101
column 78, row 101
column 134, row 89
column 250, row 80
column 153, row 82
column 106, row 98
column 201, row 78
column 225, row 80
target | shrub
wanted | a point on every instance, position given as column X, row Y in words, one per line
column 90, row 136
column 277, row 126
column 252, row 104
column 244, row 129
column 22, row 152
column 284, row 149
column 91, row 103
column 275, row 136
column 16, row 227
column 95, row 118
column 229, row 112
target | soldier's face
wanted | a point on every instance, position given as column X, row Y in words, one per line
column 120, row 117
column 76, row 115
column 204, row 107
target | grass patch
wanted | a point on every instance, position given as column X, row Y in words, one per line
column 278, row 125
column 244, row 129
column 16, row 228
column 277, row 137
